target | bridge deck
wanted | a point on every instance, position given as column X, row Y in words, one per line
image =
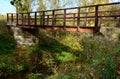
column 85, row 18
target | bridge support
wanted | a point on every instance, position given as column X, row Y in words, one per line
column 24, row 36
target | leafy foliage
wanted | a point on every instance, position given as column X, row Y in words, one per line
column 7, row 44
column 109, row 71
column 65, row 55
column 22, row 5
column 91, row 56
column 34, row 76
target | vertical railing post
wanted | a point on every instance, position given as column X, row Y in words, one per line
column 28, row 18
column 64, row 22
column 25, row 18
column 17, row 18
column 53, row 18
column 40, row 14
column 12, row 17
column 73, row 19
column 43, row 18
column 100, row 19
column 86, row 19
column 35, row 21
column 118, row 21
column 47, row 19
column 96, row 28
column 78, row 18
column 7, row 17
column 22, row 19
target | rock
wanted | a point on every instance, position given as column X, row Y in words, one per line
column 23, row 37
column 111, row 33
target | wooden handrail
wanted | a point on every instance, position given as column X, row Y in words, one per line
column 77, row 15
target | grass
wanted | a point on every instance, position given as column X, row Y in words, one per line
column 61, row 55
column 3, row 17
column 90, row 56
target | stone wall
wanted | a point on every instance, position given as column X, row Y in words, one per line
column 30, row 37
column 111, row 33
column 23, row 37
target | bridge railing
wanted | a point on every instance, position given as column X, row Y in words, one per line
column 94, row 16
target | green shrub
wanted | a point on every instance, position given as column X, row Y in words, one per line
column 65, row 56
column 34, row 76
column 6, row 65
column 89, row 52
column 7, row 44
column 109, row 72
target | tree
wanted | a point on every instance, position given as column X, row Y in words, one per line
column 42, row 5
column 83, row 2
column 90, row 2
column 17, row 4
column 22, row 5
column 53, row 4
column 99, row 1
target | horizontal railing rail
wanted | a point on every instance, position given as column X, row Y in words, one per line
column 86, row 16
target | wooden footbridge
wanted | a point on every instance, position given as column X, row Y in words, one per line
column 83, row 19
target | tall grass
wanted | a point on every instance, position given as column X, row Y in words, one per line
column 78, row 55
column 64, row 55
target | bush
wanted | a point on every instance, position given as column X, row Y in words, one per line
column 34, row 76
column 7, row 44
column 91, row 55
column 65, row 55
